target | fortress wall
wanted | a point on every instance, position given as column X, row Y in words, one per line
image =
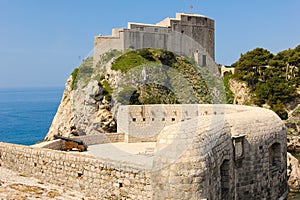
column 239, row 155
column 87, row 139
column 140, row 40
column 53, row 144
column 261, row 171
column 192, row 153
column 144, row 123
column 101, row 138
column 93, row 177
column 103, row 44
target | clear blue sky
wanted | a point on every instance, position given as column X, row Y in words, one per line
column 41, row 41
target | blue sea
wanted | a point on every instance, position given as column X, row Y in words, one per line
column 26, row 114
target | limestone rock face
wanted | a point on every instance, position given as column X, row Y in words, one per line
column 63, row 122
column 293, row 170
column 241, row 92
column 82, row 111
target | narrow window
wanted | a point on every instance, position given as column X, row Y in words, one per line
column 204, row 60
column 173, row 119
column 274, row 156
column 225, row 180
column 156, row 30
column 134, row 119
column 141, row 28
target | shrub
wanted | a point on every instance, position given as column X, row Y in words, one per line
column 127, row 61
column 108, row 90
column 74, row 76
column 147, row 54
column 280, row 111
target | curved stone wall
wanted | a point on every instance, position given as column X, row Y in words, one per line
column 239, row 155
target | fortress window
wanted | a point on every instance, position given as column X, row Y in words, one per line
column 144, row 119
column 141, row 28
column 225, row 179
column 163, row 119
column 134, row 119
column 189, row 18
column 274, row 156
column 153, row 119
column 156, row 30
column 173, row 119
column 203, row 60
column 182, row 31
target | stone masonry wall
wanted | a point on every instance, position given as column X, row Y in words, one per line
column 230, row 157
column 103, row 179
column 144, row 123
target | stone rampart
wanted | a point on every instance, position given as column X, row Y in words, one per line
column 143, row 123
column 87, row 139
column 103, row 179
column 239, row 156
column 211, row 152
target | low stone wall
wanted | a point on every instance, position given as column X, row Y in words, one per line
column 53, row 144
column 143, row 123
column 103, row 179
column 87, row 139
column 101, row 138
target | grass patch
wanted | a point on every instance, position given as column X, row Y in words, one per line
column 74, row 76
column 229, row 94
column 128, row 61
column 83, row 72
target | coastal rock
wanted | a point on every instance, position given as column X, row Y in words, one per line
column 241, row 92
column 63, row 122
column 293, row 170
column 293, row 143
column 81, row 112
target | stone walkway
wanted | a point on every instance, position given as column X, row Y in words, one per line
column 15, row 186
column 139, row 153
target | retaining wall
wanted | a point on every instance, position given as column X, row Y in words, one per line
column 103, row 179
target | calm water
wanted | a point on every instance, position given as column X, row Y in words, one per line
column 26, row 114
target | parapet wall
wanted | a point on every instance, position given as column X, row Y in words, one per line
column 143, row 123
column 87, row 139
column 103, row 179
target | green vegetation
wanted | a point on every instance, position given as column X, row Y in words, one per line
column 296, row 112
column 229, row 94
column 152, row 94
column 274, row 79
column 83, row 72
column 74, row 76
column 128, row 61
column 108, row 90
column 174, row 72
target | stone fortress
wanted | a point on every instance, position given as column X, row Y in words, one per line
column 187, row 34
column 187, row 151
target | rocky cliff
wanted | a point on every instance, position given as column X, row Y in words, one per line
column 148, row 76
